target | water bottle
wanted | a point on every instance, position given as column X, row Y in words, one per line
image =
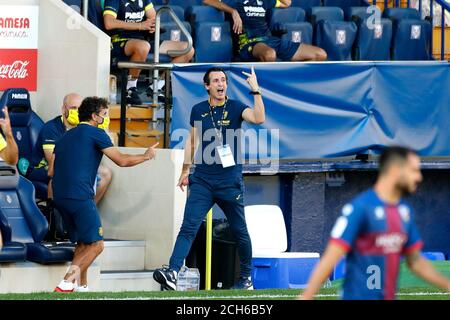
column 188, row 279
column 112, row 89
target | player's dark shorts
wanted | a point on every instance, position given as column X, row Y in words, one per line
column 284, row 48
column 118, row 46
column 81, row 218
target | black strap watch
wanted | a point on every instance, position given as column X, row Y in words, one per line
column 257, row 92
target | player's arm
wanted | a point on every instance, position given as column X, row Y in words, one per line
column 1, row 241
column 256, row 115
column 189, row 152
column 283, row 3
column 10, row 152
column 330, row 258
column 111, row 22
column 425, row 270
column 220, row 5
column 129, row 160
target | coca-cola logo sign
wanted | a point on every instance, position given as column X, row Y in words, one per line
column 15, row 70
column 18, row 69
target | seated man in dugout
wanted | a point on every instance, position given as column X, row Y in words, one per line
column 256, row 41
column 129, row 23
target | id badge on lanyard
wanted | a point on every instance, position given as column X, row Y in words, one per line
column 226, row 156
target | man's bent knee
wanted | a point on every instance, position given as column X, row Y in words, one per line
column 269, row 56
column 96, row 246
column 320, row 55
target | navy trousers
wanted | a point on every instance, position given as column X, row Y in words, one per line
column 204, row 192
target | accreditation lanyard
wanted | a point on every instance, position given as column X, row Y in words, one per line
column 218, row 131
column 224, row 151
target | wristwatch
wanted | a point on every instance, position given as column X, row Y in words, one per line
column 257, row 92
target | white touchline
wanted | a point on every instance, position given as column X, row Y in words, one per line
column 249, row 297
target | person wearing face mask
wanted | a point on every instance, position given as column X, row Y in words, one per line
column 73, row 174
column 52, row 131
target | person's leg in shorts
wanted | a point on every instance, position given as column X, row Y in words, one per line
column 135, row 50
column 292, row 51
column 257, row 51
column 85, row 223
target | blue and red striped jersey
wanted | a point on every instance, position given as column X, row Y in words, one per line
column 375, row 234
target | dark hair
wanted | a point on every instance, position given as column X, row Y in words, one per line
column 394, row 154
column 89, row 106
column 206, row 79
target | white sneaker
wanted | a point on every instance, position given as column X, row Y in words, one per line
column 65, row 287
column 84, row 288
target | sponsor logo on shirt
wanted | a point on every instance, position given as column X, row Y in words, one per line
column 134, row 16
column 252, row 11
column 391, row 243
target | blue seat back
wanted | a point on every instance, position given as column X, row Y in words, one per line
column 358, row 12
column 317, row 14
column 173, row 32
column 195, row 14
column 306, row 4
column 25, row 123
column 301, row 32
column 182, row 3
column 336, row 38
column 401, row 13
column 27, row 223
column 213, row 42
column 287, row 15
column 411, row 40
column 75, row 4
column 373, row 43
column 344, row 4
column 165, row 17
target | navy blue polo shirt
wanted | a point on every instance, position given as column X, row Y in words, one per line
column 128, row 11
column 52, row 131
column 253, row 14
column 77, row 157
column 228, row 118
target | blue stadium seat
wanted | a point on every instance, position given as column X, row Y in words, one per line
column 317, row 14
column 411, row 40
column 11, row 251
column 182, row 3
column 306, row 4
column 344, row 4
column 25, row 124
column 434, row 256
column 213, row 42
column 299, row 32
column 336, row 38
column 374, row 43
column 287, row 15
column 195, row 14
column 27, row 224
column 357, row 12
column 173, row 32
column 165, row 17
column 401, row 13
column 75, row 4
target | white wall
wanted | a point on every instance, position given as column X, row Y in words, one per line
column 74, row 56
column 143, row 203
